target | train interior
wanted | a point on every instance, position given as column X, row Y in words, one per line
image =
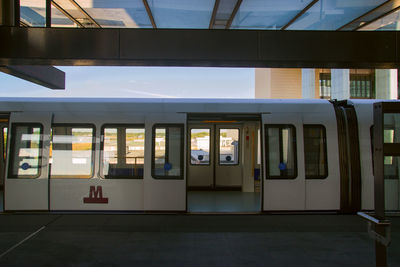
column 224, row 163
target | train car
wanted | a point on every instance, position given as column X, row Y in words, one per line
column 191, row 155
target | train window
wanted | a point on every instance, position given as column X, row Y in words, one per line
column 280, row 144
column 122, row 152
column 26, row 150
column 200, row 146
column 167, row 154
column 72, row 151
column 315, row 155
column 228, row 146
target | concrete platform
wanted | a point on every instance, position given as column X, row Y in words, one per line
column 189, row 240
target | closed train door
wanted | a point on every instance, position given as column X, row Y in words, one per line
column 165, row 177
column 284, row 181
column 27, row 172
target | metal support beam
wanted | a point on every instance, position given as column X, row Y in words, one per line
column 235, row 10
column 62, row 10
column 214, row 14
column 299, row 14
column 149, row 14
column 48, row 13
column 370, row 16
column 46, row 76
column 92, row 20
column 9, row 9
column 219, row 48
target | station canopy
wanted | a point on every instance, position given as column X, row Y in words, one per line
column 330, row 15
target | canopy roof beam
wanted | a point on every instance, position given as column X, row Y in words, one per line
column 233, row 48
column 47, row 76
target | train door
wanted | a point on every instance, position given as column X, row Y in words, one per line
column 228, row 165
column 221, row 162
column 284, row 178
column 165, row 177
column 26, row 183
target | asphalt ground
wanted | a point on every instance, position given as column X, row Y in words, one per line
column 189, row 240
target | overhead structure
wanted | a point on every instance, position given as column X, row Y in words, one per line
column 227, row 33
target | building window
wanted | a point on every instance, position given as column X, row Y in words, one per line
column 315, row 155
column 200, row 146
column 26, row 150
column 280, row 147
column 72, row 151
column 167, row 154
column 122, row 151
column 325, row 85
column 362, row 86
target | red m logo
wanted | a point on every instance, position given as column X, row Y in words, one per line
column 95, row 195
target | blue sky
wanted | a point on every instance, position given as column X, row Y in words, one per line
column 140, row 82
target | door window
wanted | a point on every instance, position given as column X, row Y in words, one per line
column 167, row 156
column 228, row 146
column 200, row 146
column 281, row 151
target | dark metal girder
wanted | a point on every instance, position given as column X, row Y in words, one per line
column 220, row 48
column 47, row 76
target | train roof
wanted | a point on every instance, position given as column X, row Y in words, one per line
column 8, row 104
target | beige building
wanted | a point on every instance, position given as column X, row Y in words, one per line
column 326, row 83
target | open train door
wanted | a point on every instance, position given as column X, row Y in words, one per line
column 165, row 177
column 26, row 183
column 284, row 178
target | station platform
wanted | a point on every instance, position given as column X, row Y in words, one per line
column 189, row 240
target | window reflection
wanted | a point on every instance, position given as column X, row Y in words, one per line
column 26, row 151
column 229, row 146
column 167, row 152
column 200, row 146
column 72, row 152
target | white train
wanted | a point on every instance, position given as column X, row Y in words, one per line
column 185, row 154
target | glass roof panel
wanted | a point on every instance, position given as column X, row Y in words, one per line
column 267, row 14
column 390, row 22
column 33, row 12
column 332, row 14
column 225, row 9
column 67, row 7
column 117, row 13
column 58, row 19
column 187, row 14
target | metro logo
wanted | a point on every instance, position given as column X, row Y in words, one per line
column 96, row 196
